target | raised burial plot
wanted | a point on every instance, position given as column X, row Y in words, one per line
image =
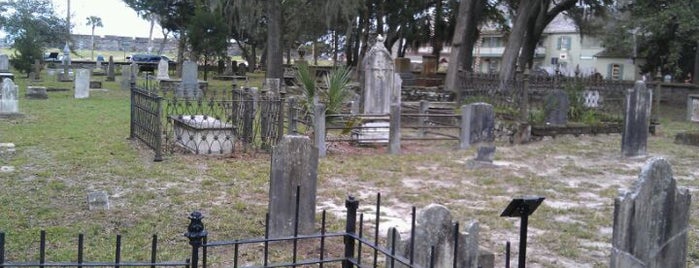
column 202, row 134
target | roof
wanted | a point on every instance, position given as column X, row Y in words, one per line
column 608, row 53
column 561, row 24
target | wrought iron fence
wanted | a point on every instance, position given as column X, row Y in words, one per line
column 351, row 247
column 204, row 120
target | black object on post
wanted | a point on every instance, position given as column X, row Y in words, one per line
column 522, row 208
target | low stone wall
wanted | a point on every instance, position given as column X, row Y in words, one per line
column 676, row 93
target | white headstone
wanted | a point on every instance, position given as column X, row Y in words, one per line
column 163, row 70
column 82, row 83
column 378, row 84
column 9, row 102
column 4, row 63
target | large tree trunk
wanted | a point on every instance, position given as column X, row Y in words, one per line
column 274, row 36
column 462, row 44
column 515, row 40
column 536, row 26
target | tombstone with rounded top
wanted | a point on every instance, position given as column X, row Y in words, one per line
column 163, row 68
column 9, row 103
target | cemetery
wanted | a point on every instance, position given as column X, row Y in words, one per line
column 384, row 163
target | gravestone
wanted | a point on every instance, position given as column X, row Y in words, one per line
column 9, row 103
column 651, row 221
column 36, row 92
column 556, row 107
column 477, row 124
column 110, row 69
column 294, row 163
column 202, row 134
column 435, row 227
column 693, row 107
column 65, row 75
column 636, row 120
column 189, row 88
column 97, row 200
column 163, row 67
column 378, row 86
column 36, row 71
column 125, row 80
column 5, row 67
column 82, row 83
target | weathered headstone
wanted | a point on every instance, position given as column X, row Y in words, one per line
column 163, row 69
column 110, row 69
column 36, row 71
column 66, row 62
column 189, row 88
column 477, row 124
column 693, row 107
column 4, row 63
column 435, row 227
column 5, row 67
column 556, row 108
column 636, row 120
column 294, row 163
column 378, row 81
column 125, row 80
column 36, row 92
column 9, row 103
column 97, row 200
column 82, row 83
column 486, row 153
column 651, row 221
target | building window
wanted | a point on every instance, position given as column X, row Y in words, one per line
column 615, row 71
column 492, row 41
column 564, row 43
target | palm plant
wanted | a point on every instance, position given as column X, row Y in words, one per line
column 337, row 92
column 93, row 21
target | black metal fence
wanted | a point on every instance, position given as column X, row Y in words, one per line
column 204, row 120
column 358, row 245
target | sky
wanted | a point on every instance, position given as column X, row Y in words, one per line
column 117, row 18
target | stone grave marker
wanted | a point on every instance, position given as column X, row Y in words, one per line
column 556, row 107
column 125, row 80
column 636, row 120
column 651, row 221
column 9, row 103
column 163, row 69
column 110, row 69
column 189, row 88
column 693, row 107
column 378, row 81
column 97, row 200
column 477, row 124
column 5, row 67
column 82, row 83
column 36, row 71
column 435, row 227
column 294, row 163
column 36, row 93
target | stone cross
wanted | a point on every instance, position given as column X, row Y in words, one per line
column 379, row 91
column 163, row 66
column 294, row 163
column 82, row 83
column 435, row 227
column 651, row 221
column 9, row 102
column 636, row 120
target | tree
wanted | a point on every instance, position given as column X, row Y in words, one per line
column 208, row 35
column 31, row 26
column 666, row 34
column 93, row 21
column 465, row 32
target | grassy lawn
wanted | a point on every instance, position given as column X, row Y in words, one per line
column 67, row 148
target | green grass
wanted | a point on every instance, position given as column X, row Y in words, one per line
column 67, row 148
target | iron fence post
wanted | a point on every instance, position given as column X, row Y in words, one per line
column 195, row 233
column 350, row 229
column 131, row 119
column 158, row 131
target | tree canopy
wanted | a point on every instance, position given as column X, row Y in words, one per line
column 31, row 26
